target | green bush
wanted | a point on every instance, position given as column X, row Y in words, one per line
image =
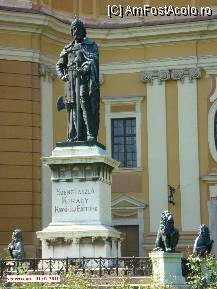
column 203, row 272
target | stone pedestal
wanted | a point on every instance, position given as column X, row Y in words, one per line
column 81, row 204
column 167, row 269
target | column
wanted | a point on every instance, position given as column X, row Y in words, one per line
column 114, row 248
column 141, row 231
column 188, row 147
column 119, row 248
column 46, row 85
column 157, row 144
column 75, row 248
column 107, row 248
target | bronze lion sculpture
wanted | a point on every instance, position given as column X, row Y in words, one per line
column 167, row 235
column 203, row 243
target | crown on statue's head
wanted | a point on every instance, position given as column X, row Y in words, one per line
column 77, row 23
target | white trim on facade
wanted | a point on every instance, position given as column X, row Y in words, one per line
column 46, row 141
column 136, row 206
column 17, row 3
column 109, row 115
column 208, row 62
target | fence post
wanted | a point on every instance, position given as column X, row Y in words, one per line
column 34, row 264
column 50, row 266
column 100, row 266
column 83, row 264
column 117, row 265
column 67, row 265
column 134, row 266
column 2, row 267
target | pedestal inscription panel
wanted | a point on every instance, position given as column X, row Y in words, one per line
column 79, row 202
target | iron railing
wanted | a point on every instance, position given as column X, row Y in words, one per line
column 126, row 266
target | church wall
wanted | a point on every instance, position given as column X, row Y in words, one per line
column 19, row 151
column 110, row 55
column 126, row 84
column 170, row 50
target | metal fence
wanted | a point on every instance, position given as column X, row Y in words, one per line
column 127, row 266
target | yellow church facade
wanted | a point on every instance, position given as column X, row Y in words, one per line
column 158, row 115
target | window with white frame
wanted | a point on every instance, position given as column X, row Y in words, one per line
column 123, row 141
column 123, row 131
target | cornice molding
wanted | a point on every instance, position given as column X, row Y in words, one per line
column 210, row 178
column 122, row 99
column 22, row 54
column 207, row 62
column 57, row 30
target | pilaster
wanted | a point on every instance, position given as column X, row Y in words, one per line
column 47, row 76
column 157, row 144
column 188, row 147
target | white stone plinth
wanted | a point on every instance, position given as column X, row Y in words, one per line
column 167, row 268
column 81, row 204
column 77, row 241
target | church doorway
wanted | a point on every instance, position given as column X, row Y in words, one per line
column 130, row 242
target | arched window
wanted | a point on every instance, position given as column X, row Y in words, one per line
column 215, row 129
column 212, row 130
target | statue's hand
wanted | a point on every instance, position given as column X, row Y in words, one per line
column 65, row 77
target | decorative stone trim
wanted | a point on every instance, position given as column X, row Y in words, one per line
column 171, row 74
column 178, row 74
column 163, row 75
column 76, row 240
column 68, row 241
column 62, row 172
column 194, row 73
column 46, row 71
column 150, row 76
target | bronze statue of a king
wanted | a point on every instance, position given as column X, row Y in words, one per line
column 78, row 67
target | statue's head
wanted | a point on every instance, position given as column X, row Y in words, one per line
column 78, row 30
column 166, row 221
column 17, row 234
column 204, row 231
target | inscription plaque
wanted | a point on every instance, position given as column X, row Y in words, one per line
column 75, row 202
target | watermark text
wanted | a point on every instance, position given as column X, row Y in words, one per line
column 147, row 10
column 33, row 278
